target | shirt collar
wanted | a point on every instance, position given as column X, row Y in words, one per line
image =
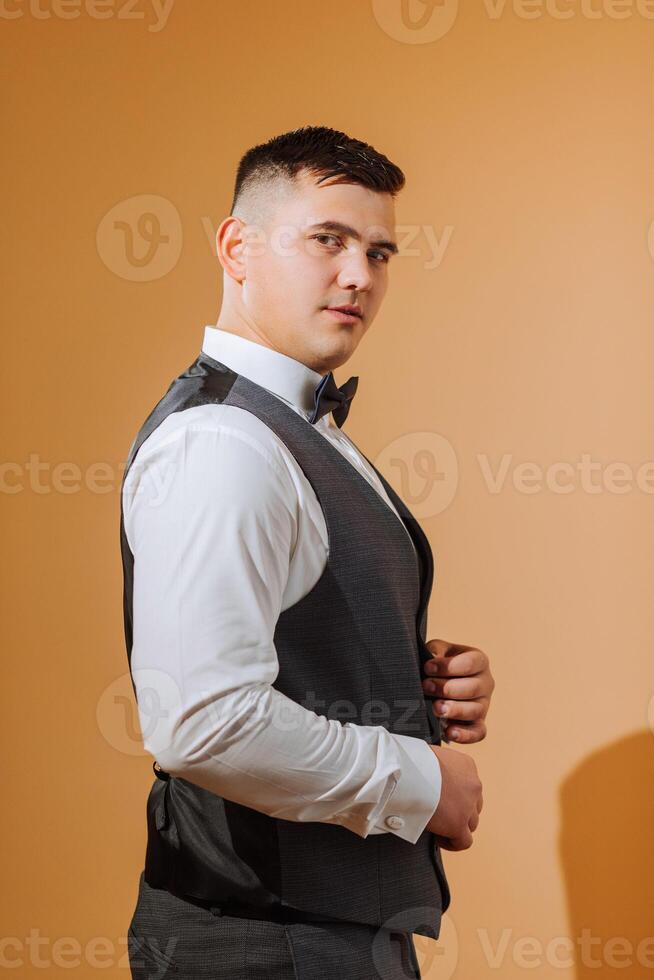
column 283, row 376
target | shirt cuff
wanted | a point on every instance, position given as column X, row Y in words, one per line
column 411, row 805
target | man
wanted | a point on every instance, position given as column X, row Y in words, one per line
column 276, row 592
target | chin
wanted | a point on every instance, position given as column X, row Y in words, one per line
column 339, row 357
column 333, row 347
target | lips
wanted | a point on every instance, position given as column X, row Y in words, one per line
column 350, row 310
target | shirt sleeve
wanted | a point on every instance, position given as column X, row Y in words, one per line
column 211, row 518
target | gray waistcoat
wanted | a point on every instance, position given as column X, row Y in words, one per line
column 350, row 649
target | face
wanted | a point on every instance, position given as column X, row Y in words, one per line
column 301, row 262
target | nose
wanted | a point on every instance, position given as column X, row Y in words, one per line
column 355, row 273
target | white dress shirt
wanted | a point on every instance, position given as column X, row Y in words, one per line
column 227, row 532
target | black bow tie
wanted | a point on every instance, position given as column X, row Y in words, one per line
column 328, row 397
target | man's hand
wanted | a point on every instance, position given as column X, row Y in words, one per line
column 459, row 676
column 457, row 813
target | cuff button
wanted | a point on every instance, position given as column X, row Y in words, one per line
column 394, row 822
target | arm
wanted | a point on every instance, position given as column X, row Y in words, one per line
column 212, row 520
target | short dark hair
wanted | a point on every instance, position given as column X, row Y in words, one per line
column 321, row 151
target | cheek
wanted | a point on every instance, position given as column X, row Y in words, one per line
column 274, row 286
column 292, row 274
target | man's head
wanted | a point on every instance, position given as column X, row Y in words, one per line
column 311, row 227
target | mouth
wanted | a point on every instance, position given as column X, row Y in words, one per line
column 346, row 314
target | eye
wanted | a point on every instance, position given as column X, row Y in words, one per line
column 384, row 256
column 325, row 235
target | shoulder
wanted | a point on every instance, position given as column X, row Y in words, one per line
column 216, row 448
column 234, row 430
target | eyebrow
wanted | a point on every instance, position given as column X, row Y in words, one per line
column 348, row 230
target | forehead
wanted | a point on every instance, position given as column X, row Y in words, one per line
column 371, row 213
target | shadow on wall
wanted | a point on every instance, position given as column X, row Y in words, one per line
column 606, row 848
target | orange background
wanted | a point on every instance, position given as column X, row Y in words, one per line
column 528, row 147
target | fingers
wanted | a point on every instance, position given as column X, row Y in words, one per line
column 455, row 687
column 453, row 711
column 465, row 839
column 464, row 718
column 467, row 669
column 456, row 659
column 460, row 843
column 464, row 733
